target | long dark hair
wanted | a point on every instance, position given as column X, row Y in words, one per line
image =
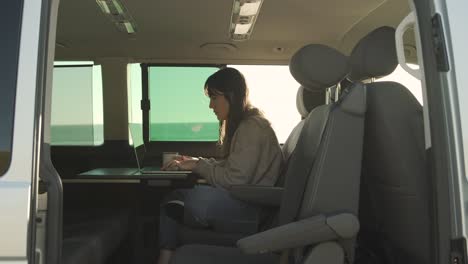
column 230, row 83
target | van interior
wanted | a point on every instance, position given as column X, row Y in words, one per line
column 121, row 63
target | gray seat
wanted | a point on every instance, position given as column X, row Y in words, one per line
column 319, row 205
column 394, row 210
column 305, row 101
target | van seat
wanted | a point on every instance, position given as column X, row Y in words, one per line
column 305, row 101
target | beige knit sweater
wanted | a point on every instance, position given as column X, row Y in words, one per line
column 255, row 157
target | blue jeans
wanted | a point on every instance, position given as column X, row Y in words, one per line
column 209, row 208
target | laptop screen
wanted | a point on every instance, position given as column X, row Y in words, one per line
column 140, row 151
column 136, row 134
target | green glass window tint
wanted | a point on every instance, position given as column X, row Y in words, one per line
column 179, row 107
column 77, row 109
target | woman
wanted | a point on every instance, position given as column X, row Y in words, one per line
column 251, row 154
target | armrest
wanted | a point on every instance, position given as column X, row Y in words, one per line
column 305, row 232
column 260, row 195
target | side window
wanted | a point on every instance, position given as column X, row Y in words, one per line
column 10, row 14
column 77, row 108
column 134, row 92
column 179, row 107
column 399, row 75
column 276, row 97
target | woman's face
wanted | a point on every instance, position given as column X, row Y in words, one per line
column 220, row 106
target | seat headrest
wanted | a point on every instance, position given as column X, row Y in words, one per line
column 300, row 104
column 307, row 100
column 374, row 56
column 318, row 67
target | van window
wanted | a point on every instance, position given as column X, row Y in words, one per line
column 134, row 91
column 77, row 108
column 192, row 120
column 179, row 107
column 10, row 14
column 273, row 90
column 399, row 75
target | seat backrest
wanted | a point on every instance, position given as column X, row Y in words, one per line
column 394, row 210
column 324, row 168
column 306, row 100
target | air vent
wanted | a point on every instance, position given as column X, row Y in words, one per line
column 240, row 37
column 218, row 47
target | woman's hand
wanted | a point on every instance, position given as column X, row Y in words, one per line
column 188, row 165
column 184, row 157
column 181, row 163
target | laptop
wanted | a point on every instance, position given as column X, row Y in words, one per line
column 140, row 153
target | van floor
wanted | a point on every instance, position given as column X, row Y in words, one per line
column 119, row 220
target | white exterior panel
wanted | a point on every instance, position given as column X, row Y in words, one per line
column 15, row 185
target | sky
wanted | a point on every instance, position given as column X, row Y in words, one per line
column 401, row 76
column 273, row 90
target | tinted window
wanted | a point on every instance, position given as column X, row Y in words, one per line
column 77, row 108
column 179, row 107
column 10, row 14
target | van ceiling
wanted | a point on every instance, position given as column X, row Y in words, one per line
column 174, row 31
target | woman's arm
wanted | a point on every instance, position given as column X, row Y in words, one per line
column 189, row 163
column 240, row 165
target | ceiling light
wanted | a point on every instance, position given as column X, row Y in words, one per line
column 118, row 7
column 126, row 26
column 104, row 7
column 111, row 7
column 129, row 27
column 242, row 28
column 249, row 9
column 243, row 17
column 118, row 14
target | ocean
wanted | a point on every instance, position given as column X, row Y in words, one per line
column 89, row 135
